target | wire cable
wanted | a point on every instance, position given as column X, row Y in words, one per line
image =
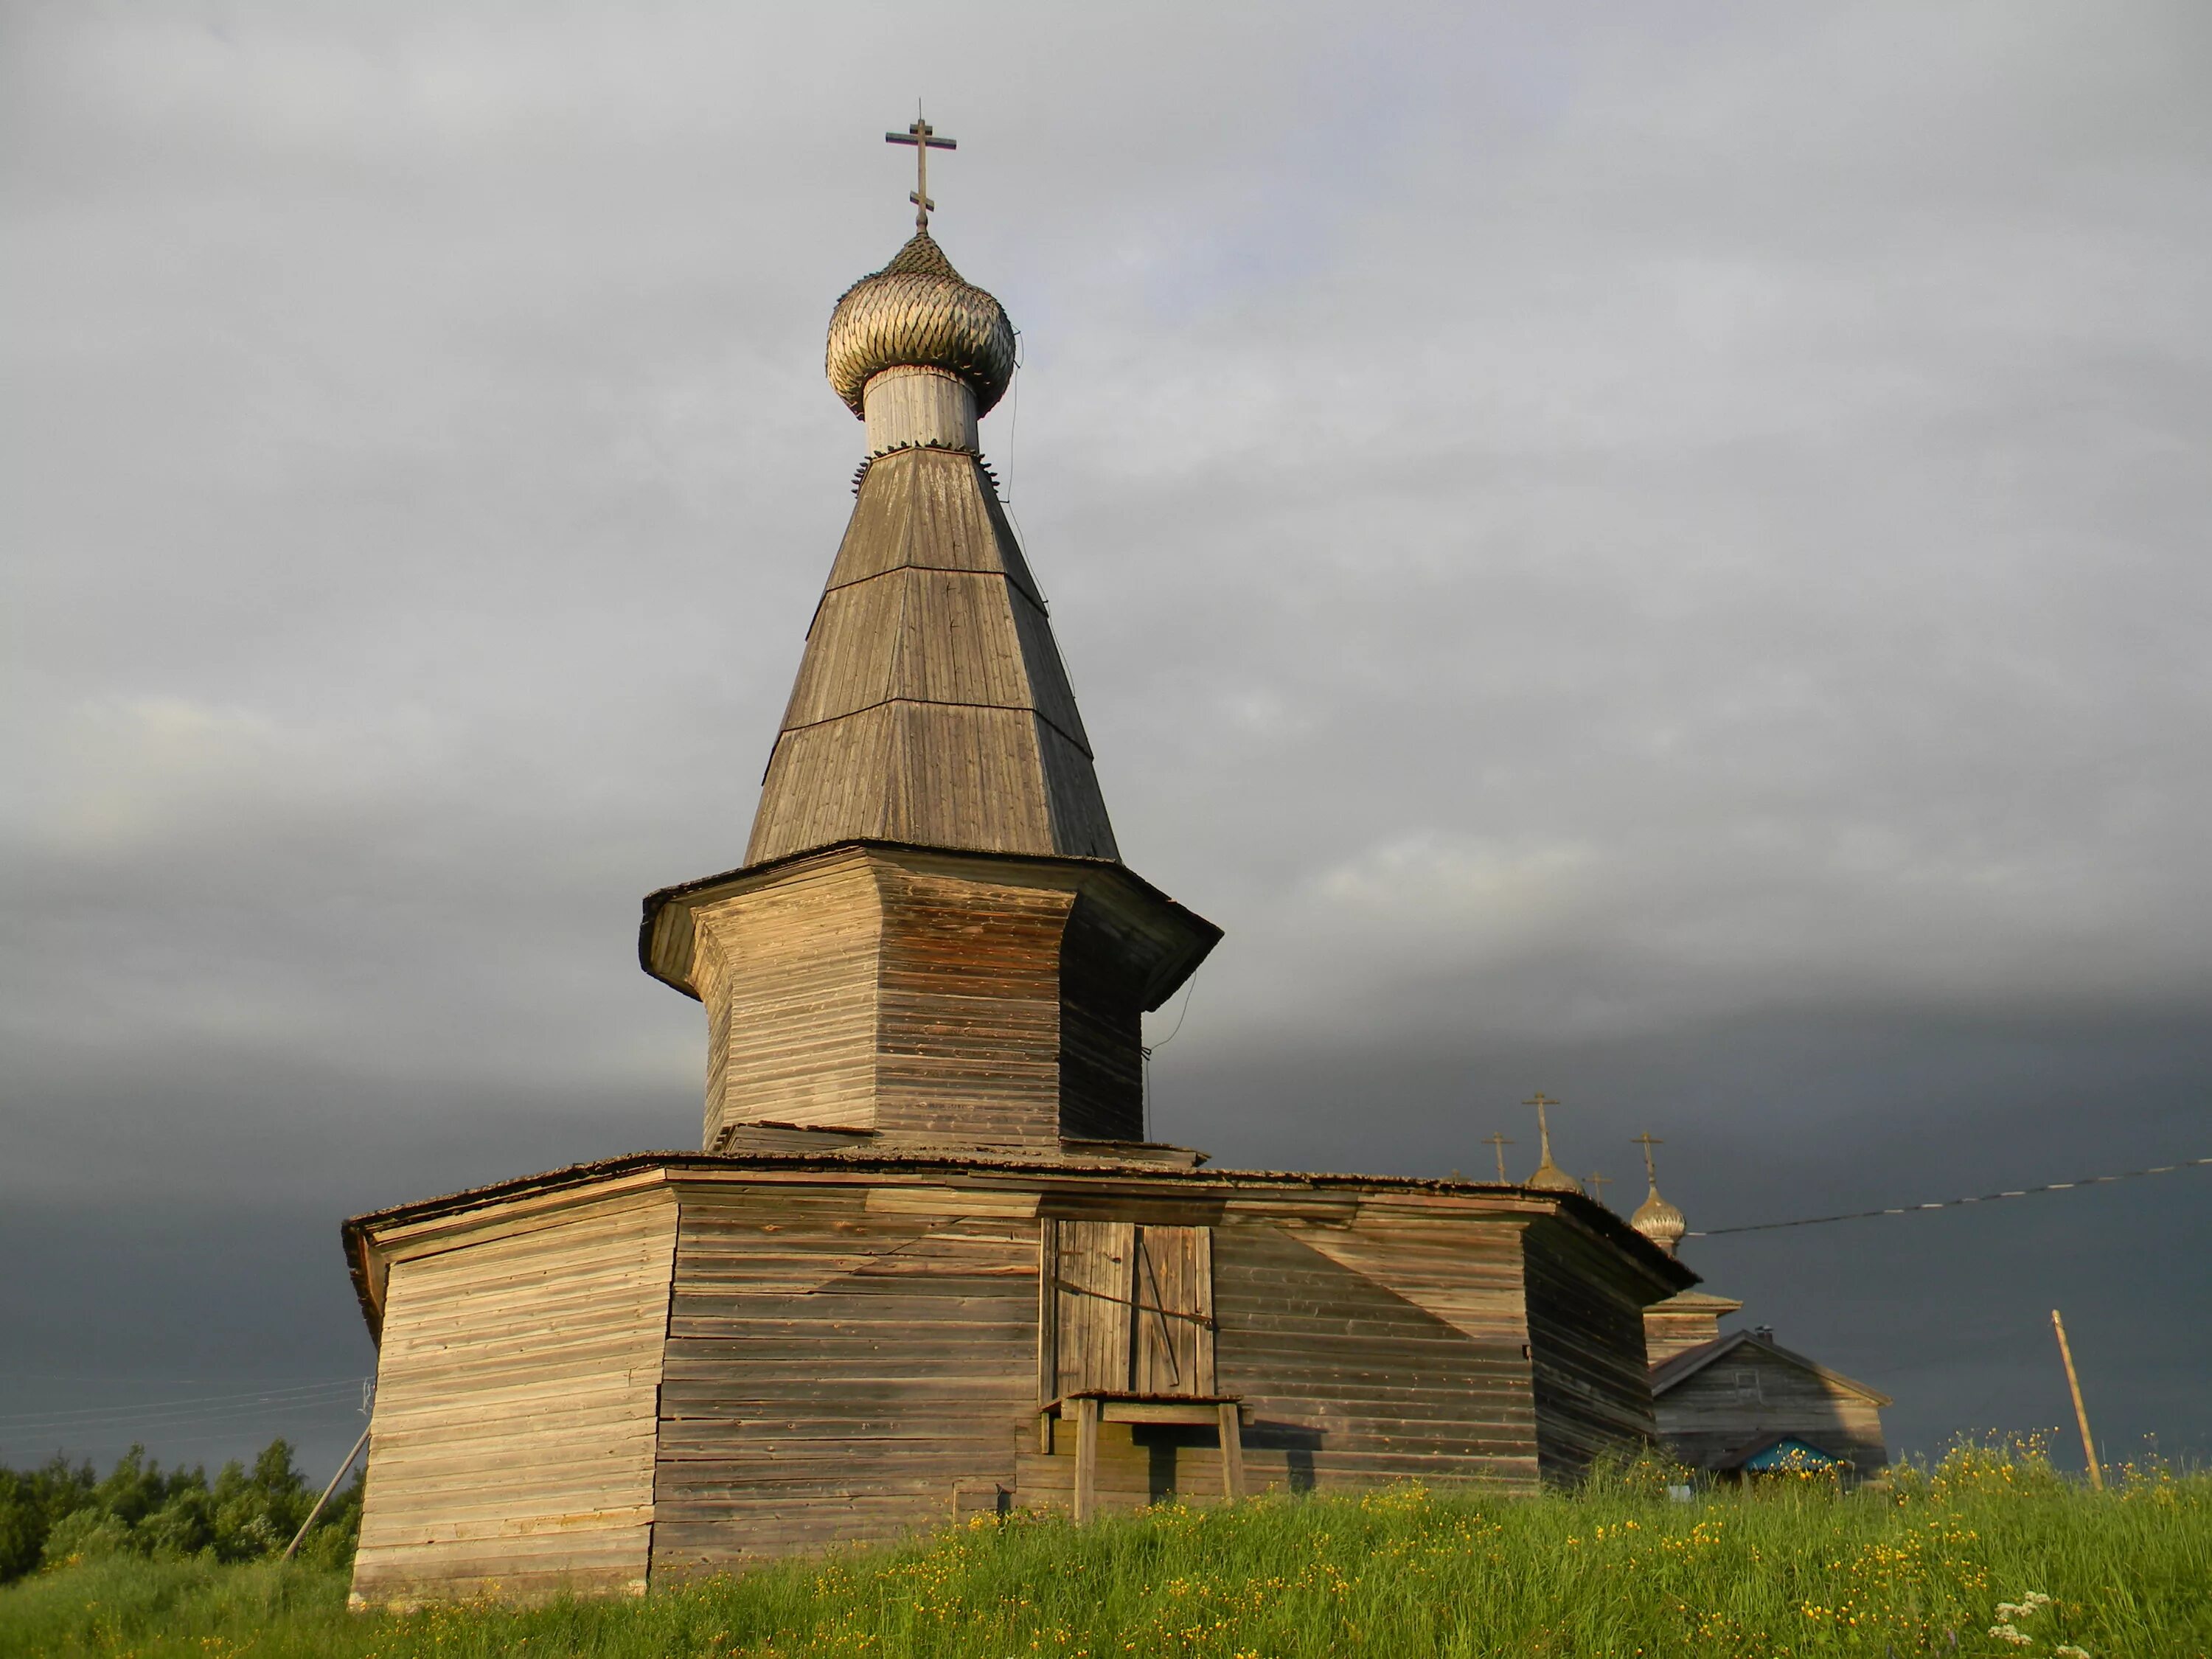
column 255, row 1397
column 1954, row 1203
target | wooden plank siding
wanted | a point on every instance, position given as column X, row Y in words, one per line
column 970, row 1034
column 1591, row 1386
column 932, row 999
column 931, row 705
column 836, row 1370
column 1347, row 1381
column 787, row 972
column 1753, row 1393
column 758, row 1357
column 1687, row 1320
column 517, row 1388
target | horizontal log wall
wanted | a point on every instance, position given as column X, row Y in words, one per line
column 1669, row 1331
column 1749, row 1394
column 969, row 1043
column 1137, row 1464
column 842, row 1365
column 1348, row 1379
column 788, row 974
column 1593, row 1388
column 1101, row 1080
column 512, row 1445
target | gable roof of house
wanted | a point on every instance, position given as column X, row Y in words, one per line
column 1672, row 1373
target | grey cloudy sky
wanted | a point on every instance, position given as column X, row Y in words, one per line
column 1653, row 552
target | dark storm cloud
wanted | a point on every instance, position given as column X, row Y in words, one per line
column 1654, row 554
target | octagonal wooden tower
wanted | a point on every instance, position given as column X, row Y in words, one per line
column 927, row 1261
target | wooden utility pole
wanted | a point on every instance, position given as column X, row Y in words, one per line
column 292, row 1548
column 2080, row 1411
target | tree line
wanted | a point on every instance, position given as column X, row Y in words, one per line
column 62, row 1513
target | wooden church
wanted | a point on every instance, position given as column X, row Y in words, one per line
column 925, row 1262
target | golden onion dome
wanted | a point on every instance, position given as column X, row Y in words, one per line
column 917, row 312
column 1659, row 1221
column 1550, row 1178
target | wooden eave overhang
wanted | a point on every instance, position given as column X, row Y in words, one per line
column 1332, row 1198
column 664, row 933
column 1673, row 1373
column 1698, row 1301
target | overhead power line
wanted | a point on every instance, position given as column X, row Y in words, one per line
column 159, row 1414
column 1954, row 1203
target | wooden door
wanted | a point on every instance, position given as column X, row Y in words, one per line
column 1127, row 1309
column 1173, row 1286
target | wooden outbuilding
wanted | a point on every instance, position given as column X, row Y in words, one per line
column 1740, row 1402
column 1725, row 1404
column 926, row 1262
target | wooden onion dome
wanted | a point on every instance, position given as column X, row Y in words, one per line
column 1549, row 1176
column 1655, row 1219
column 919, row 312
column 1660, row 1222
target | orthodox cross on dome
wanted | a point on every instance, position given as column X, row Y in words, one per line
column 1542, row 1101
column 1598, row 1183
column 1500, row 1143
column 1655, row 1219
column 1549, row 1176
column 924, row 138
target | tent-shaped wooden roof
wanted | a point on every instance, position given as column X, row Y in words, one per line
column 932, row 707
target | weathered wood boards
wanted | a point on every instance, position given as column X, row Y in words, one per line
column 930, row 998
column 1727, row 1399
column 1129, row 1310
column 1593, row 1388
column 514, row 1440
column 1687, row 1320
column 678, row 1363
column 931, row 706
column 839, row 1361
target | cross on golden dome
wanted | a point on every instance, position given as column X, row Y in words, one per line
column 1655, row 1219
column 1549, row 1176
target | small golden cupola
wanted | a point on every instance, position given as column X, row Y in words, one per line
column 1655, row 1219
column 1549, row 1176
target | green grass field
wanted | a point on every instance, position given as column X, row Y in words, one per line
column 1952, row 1561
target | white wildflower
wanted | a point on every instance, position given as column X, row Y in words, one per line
column 2070, row 1651
column 2011, row 1633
